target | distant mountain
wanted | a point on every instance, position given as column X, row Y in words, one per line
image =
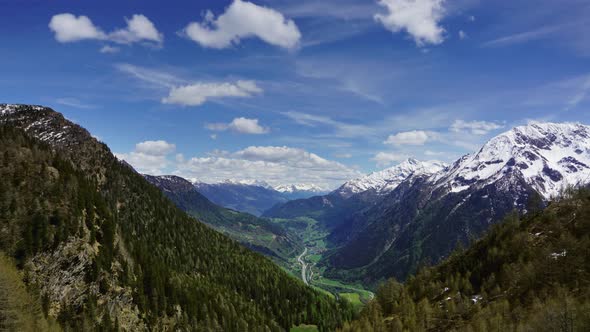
column 424, row 217
column 385, row 181
column 257, row 233
column 104, row 250
column 253, row 197
column 335, row 210
column 297, row 191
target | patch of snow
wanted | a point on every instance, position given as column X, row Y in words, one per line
column 556, row 255
column 548, row 156
column 291, row 188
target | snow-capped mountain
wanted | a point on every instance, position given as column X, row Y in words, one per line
column 383, row 182
column 301, row 187
column 427, row 216
column 254, row 196
column 256, row 183
column 548, row 156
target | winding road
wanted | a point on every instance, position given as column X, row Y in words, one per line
column 303, row 266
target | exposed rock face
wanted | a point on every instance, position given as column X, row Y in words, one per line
column 424, row 217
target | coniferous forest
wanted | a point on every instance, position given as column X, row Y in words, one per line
column 529, row 273
column 102, row 249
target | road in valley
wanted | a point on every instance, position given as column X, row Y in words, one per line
column 303, row 266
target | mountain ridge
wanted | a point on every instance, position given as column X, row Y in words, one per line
column 462, row 201
column 105, row 249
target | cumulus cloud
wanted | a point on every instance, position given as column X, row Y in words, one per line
column 70, row 28
column 474, row 127
column 414, row 137
column 462, row 34
column 419, row 18
column 197, row 94
column 149, row 156
column 240, row 125
column 139, row 28
column 155, row 148
column 387, row 158
column 273, row 164
column 242, row 20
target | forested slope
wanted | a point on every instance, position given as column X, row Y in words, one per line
column 258, row 234
column 106, row 250
column 527, row 274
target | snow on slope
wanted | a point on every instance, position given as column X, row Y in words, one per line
column 292, row 188
column 548, row 156
column 282, row 188
column 48, row 126
column 388, row 179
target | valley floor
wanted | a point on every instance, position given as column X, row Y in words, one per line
column 305, row 265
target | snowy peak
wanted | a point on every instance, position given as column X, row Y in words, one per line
column 44, row 124
column 301, row 187
column 388, row 179
column 548, row 156
column 235, row 182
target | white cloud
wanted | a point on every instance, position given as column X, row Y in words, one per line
column 241, row 20
column 341, row 129
column 524, row 37
column 197, row 94
column 387, row 158
column 70, row 28
column 414, row 137
column 580, row 95
column 150, row 76
column 474, row 127
column 73, row 102
column 240, row 125
column 419, row 18
column 149, row 156
column 462, row 34
column 139, row 28
column 435, row 153
column 155, row 148
column 109, row 49
column 273, row 164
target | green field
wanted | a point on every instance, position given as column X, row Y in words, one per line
column 313, row 236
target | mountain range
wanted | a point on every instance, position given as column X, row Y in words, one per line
column 254, row 197
column 389, row 226
column 103, row 249
column 256, row 233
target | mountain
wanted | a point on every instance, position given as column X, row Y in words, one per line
column 253, row 197
column 527, row 274
column 423, row 218
column 299, row 191
column 335, row 209
column 103, row 249
column 249, row 198
column 385, row 181
column 256, row 233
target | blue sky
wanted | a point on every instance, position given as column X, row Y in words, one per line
column 297, row 91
